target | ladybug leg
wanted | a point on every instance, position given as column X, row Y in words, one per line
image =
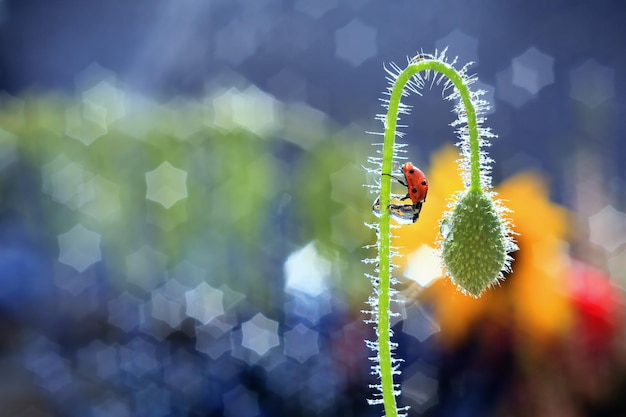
column 399, row 179
column 417, row 208
column 403, row 207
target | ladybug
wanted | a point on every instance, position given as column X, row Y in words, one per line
column 417, row 187
column 421, row 57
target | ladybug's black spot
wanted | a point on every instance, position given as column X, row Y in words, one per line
column 424, row 183
column 411, row 171
column 414, row 190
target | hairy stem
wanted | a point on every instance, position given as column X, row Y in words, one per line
column 383, row 328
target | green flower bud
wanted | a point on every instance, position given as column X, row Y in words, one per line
column 475, row 242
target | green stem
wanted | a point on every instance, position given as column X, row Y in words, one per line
column 383, row 327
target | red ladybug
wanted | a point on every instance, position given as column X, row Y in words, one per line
column 416, row 182
column 417, row 186
column 421, row 57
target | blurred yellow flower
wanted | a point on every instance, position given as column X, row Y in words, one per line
column 533, row 298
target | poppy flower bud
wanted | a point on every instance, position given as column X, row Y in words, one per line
column 475, row 242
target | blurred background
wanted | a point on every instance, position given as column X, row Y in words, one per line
column 182, row 208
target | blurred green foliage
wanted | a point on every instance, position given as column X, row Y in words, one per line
column 254, row 195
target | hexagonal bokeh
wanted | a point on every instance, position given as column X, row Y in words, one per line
column 608, row 228
column 460, row 45
column 167, row 219
column 423, row 266
column 124, row 311
column 107, row 362
column 230, row 297
column 509, row 92
column 105, row 202
column 86, row 122
column 92, row 75
column 260, row 334
column 301, row 343
column 306, row 271
column 138, row 357
column 221, row 108
column 533, row 70
column 152, row 326
column 355, row 42
column 67, row 182
column 592, row 83
column 86, row 358
column 107, row 96
column 146, row 268
column 166, row 184
column 79, row 247
column 256, row 111
column 305, row 126
column 268, row 360
column 52, row 372
column 185, row 117
column 204, row 303
column 420, row 389
column 419, row 323
column 188, row 274
column 71, row 280
column 168, row 303
column 310, row 308
column 212, row 339
column 250, row 109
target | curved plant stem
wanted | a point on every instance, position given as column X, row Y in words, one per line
column 383, row 328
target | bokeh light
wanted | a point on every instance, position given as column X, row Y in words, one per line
column 591, row 83
column 355, row 42
column 533, row 70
